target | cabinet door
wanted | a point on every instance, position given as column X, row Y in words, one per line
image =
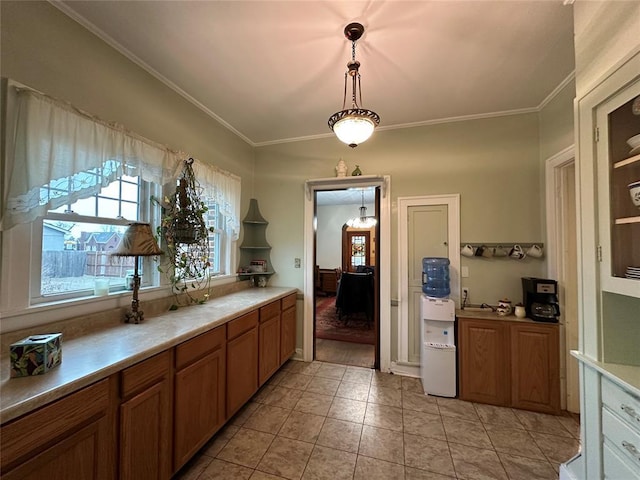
column 535, row 365
column 242, row 370
column 618, row 170
column 199, row 404
column 269, row 348
column 146, row 420
column 484, row 365
column 288, row 334
column 78, row 431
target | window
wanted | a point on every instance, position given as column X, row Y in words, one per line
column 70, row 190
column 78, row 238
column 217, row 240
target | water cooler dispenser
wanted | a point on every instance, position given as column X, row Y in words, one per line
column 437, row 330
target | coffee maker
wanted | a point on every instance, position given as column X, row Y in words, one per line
column 540, row 297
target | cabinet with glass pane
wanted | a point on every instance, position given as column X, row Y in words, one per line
column 618, row 154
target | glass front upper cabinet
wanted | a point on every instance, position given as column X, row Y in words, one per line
column 618, row 152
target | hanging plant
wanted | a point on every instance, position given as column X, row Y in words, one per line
column 186, row 235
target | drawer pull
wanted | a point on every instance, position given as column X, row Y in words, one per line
column 631, row 448
column 630, row 411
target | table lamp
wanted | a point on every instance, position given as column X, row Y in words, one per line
column 138, row 241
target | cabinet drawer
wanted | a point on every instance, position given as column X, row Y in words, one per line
column 242, row 324
column 289, row 301
column 622, row 403
column 626, row 440
column 269, row 311
column 191, row 350
column 615, row 468
column 144, row 373
column 28, row 434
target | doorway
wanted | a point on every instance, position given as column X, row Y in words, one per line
column 383, row 247
column 563, row 265
column 346, row 301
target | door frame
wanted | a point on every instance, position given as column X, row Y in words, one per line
column 554, row 166
column 339, row 183
column 452, row 201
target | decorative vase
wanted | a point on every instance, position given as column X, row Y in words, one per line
column 356, row 172
column 341, row 169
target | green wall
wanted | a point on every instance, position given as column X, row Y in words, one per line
column 492, row 163
column 46, row 50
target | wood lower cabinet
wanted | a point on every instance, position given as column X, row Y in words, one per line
column 146, row 419
column 269, row 335
column 508, row 363
column 199, row 395
column 72, row 438
column 535, row 367
column 288, row 328
column 242, row 361
column 484, row 361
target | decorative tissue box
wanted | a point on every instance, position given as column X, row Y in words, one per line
column 36, row 354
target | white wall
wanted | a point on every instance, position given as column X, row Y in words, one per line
column 330, row 219
column 606, row 33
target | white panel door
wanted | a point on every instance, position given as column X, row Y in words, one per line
column 427, row 230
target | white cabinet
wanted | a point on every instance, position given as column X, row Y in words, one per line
column 609, row 242
column 621, row 430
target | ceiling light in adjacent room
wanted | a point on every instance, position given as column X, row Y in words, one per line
column 362, row 221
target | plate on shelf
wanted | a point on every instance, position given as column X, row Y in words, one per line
column 634, row 151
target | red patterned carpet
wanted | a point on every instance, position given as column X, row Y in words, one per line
column 352, row 328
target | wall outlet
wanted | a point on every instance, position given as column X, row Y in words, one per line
column 296, row 262
column 465, row 295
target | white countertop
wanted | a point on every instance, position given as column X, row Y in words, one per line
column 627, row 376
column 103, row 352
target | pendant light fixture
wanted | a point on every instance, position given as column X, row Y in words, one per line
column 362, row 221
column 356, row 124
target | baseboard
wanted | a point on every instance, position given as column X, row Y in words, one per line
column 405, row 369
column 568, row 470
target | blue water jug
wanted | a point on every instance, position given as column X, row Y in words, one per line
column 435, row 277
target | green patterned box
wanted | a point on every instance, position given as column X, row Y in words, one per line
column 36, row 354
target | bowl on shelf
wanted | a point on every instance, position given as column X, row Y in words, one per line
column 634, row 191
column 634, row 143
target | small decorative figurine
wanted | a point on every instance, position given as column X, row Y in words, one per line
column 356, row 172
column 341, row 169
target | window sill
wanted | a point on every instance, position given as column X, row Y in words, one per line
column 44, row 313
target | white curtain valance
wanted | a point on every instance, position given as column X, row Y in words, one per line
column 224, row 188
column 62, row 154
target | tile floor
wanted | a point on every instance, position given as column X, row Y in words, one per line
column 327, row 421
column 345, row 353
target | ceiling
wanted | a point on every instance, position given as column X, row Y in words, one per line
column 273, row 71
column 349, row 196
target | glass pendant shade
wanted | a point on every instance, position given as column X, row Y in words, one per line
column 353, row 129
